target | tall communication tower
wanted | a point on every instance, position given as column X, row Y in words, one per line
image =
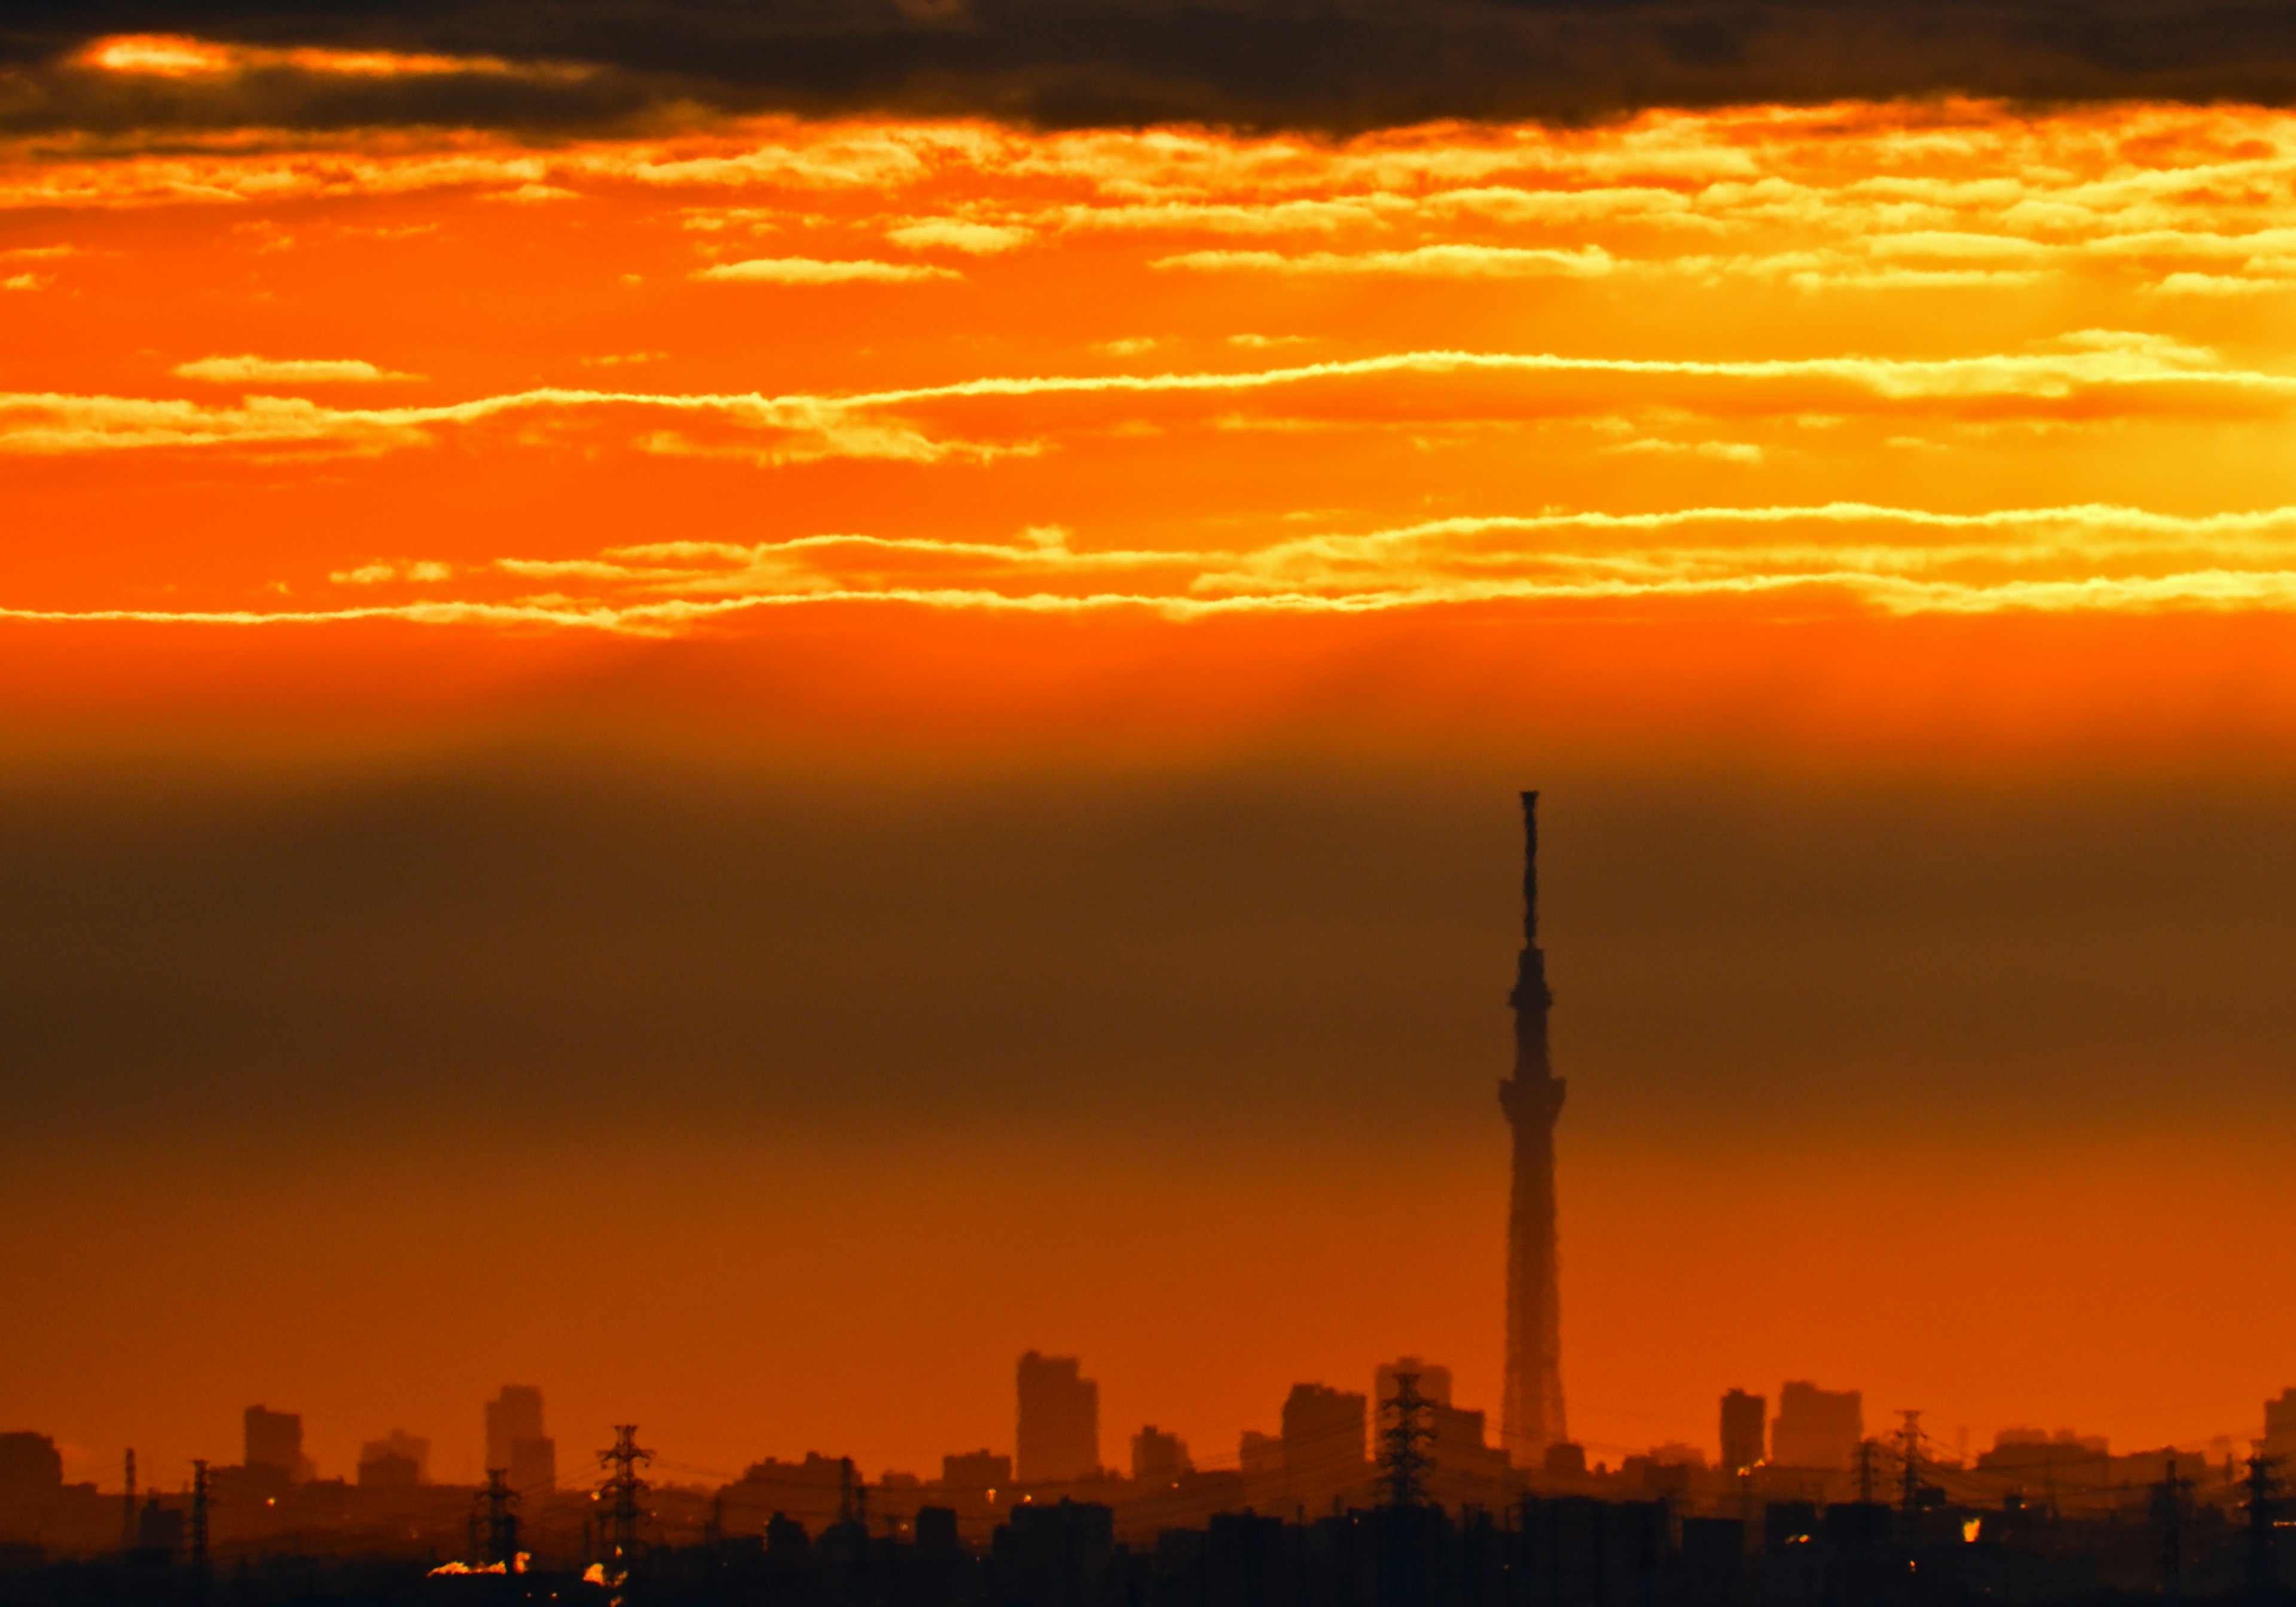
column 1532, row 1098
column 621, row 1490
column 128, row 1535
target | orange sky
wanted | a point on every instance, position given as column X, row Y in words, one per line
column 1928, row 449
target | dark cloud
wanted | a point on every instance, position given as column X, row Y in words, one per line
column 1325, row 64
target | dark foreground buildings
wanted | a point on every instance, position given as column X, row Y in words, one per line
column 1561, row 1551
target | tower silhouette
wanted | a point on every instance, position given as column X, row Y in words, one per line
column 620, row 1492
column 1403, row 1459
column 198, row 1529
column 497, row 1518
column 1532, row 1099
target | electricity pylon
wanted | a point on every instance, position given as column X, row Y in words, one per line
column 621, row 1490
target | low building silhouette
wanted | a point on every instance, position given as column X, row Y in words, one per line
column 158, row 1531
column 389, row 1470
column 1565, row 1458
column 398, row 1461
column 274, row 1443
column 31, row 1471
column 1057, row 1555
column 1260, row 1456
column 980, row 1471
column 815, row 1492
column 1158, row 1458
column 2025, row 1449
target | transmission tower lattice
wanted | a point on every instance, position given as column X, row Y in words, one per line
column 199, row 1527
column 1403, row 1459
column 1912, row 1435
column 496, row 1510
column 2263, row 1512
column 2170, row 1494
column 621, row 1490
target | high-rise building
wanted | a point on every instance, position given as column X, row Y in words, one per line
column 1817, row 1428
column 516, row 1443
column 1058, row 1435
column 274, row 1440
column 1744, row 1430
column 1158, row 1458
column 1325, row 1434
column 1532, row 1418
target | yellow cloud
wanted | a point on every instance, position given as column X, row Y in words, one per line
column 2092, row 382
column 532, row 195
column 957, row 234
column 250, row 370
column 181, row 56
column 1426, row 261
column 810, row 270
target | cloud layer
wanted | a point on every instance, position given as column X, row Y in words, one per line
column 1895, row 361
column 1333, row 64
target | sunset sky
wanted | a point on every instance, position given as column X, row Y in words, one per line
column 737, row 743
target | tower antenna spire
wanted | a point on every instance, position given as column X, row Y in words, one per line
column 1532, row 1098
